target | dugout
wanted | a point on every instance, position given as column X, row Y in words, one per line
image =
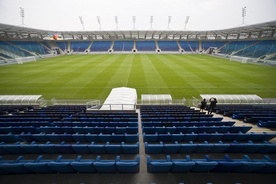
column 233, row 98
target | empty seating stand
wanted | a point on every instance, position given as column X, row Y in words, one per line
column 60, row 165
column 227, row 164
column 206, row 147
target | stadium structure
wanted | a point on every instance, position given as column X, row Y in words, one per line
column 121, row 141
column 247, row 43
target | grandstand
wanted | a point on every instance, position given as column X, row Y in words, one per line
column 255, row 43
column 157, row 140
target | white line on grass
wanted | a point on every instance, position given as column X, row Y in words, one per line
column 129, row 73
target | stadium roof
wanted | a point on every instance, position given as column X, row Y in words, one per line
column 258, row 31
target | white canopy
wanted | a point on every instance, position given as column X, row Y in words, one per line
column 156, row 99
column 230, row 98
column 20, row 99
column 122, row 98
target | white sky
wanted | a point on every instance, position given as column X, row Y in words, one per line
column 63, row 15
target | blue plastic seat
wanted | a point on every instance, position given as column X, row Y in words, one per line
column 83, row 165
column 105, row 166
column 61, row 165
column 154, row 148
column 255, row 136
column 40, row 166
column 47, row 148
column 132, row 130
column 64, row 148
column 14, row 148
column 220, row 147
column 121, row 130
column 96, row 148
column 203, row 137
column 9, row 137
column 96, row 130
column 79, row 137
column 159, row 166
column 171, row 129
column 236, row 147
column 110, row 130
column 270, row 165
column 131, row 137
column 91, row 137
column 160, row 129
column 247, row 166
column 80, row 148
column 205, row 147
column 66, row 137
column 224, row 165
column 187, row 148
column 130, row 148
column 253, row 147
column 78, row 129
column 28, row 137
column 67, row 129
column 181, row 165
column 177, row 137
column 202, row 165
column 191, row 129
column 214, row 137
column 165, row 137
column 53, row 137
column 268, row 148
column 128, row 166
column 224, row 129
column 117, row 137
column 31, row 148
column 189, row 137
column 104, row 137
column 113, row 148
column 171, row 148
column 15, row 167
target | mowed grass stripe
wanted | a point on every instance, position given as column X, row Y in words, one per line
column 137, row 78
column 154, row 79
column 93, row 76
column 98, row 86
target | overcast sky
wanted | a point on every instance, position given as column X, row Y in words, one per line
column 63, row 15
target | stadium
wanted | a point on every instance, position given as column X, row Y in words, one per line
column 123, row 106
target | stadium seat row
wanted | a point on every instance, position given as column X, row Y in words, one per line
column 227, row 164
column 213, row 137
column 50, row 148
column 196, row 129
column 205, row 147
column 57, row 118
column 198, row 118
column 267, row 124
column 188, row 123
column 69, row 124
column 69, row 137
column 69, row 130
column 60, row 165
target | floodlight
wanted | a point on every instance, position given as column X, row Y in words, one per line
column 116, row 22
column 186, row 21
column 99, row 21
column 169, row 21
column 151, row 21
column 243, row 14
column 81, row 21
column 134, row 21
column 22, row 14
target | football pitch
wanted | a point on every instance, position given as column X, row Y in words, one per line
column 93, row 76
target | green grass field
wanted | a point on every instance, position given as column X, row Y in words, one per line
column 93, row 76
